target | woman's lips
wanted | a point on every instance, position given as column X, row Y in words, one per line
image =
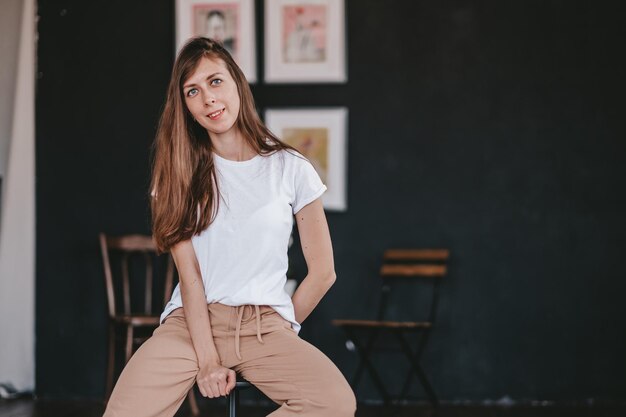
column 216, row 114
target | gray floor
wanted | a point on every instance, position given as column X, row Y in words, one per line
column 30, row 408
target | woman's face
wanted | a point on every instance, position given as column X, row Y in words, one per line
column 211, row 96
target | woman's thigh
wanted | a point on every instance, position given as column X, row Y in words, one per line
column 296, row 375
column 156, row 379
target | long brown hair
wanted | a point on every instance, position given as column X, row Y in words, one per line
column 185, row 194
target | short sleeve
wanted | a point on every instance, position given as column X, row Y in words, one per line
column 307, row 184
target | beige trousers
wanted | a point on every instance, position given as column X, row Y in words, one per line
column 256, row 342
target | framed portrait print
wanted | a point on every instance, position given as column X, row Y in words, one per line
column 320, row 135
column 305, row 41
column 230, row 22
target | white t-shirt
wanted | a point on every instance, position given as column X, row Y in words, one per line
column 243, row 253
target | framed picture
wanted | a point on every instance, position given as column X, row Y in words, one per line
column 321, row 136
column 305, row 41
column 230, row 22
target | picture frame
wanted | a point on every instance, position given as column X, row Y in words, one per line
column 320, row 134
column 305, row 41
column 232, row 21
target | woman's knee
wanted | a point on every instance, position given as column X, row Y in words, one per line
column 347, row 407
column 342, row 402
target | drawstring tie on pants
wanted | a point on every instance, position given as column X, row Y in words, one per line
column 240, row 311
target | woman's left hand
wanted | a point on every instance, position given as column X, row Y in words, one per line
column 215, row 381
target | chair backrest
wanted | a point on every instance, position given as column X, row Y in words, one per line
column 124, row 249
column 413, row 263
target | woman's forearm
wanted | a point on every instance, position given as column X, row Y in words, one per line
column 194, row 303
column 198, row 322
column 310, row 293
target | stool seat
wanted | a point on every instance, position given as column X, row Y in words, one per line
column 241, row 384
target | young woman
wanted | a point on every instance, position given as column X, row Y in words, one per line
column 224, row 194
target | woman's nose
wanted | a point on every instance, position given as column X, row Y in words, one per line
column 209, row 99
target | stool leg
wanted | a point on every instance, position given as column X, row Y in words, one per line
column 233, row 399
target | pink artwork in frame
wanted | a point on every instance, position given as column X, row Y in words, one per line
column 304, row 33
column 305, row 41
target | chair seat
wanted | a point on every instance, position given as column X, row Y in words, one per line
column 137, row 320
column 383, row 324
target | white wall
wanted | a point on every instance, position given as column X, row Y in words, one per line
column 10, row 14
column 17, row 214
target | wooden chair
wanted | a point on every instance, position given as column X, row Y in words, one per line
column 133, row 253
column 399, row 264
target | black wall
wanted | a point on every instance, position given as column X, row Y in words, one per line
column 493, row 128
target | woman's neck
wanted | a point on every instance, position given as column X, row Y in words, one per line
column 232, row 146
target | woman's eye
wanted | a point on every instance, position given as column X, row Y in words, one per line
column 216, row 81
column 192, row 92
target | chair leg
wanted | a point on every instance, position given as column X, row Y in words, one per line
column 356, row 377
column 418, row 355
column 418, row 369
column 233, row 400
column 406, row 386
column 366, row 350
column 364, row 353
column 193, row 404
column 111, row 362
column 129, row 342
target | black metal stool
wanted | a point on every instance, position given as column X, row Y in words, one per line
column 233, row 397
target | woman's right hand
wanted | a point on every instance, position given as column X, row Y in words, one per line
column 215, row 380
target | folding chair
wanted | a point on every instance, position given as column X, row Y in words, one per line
column 134, row 253
column 399, row 264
